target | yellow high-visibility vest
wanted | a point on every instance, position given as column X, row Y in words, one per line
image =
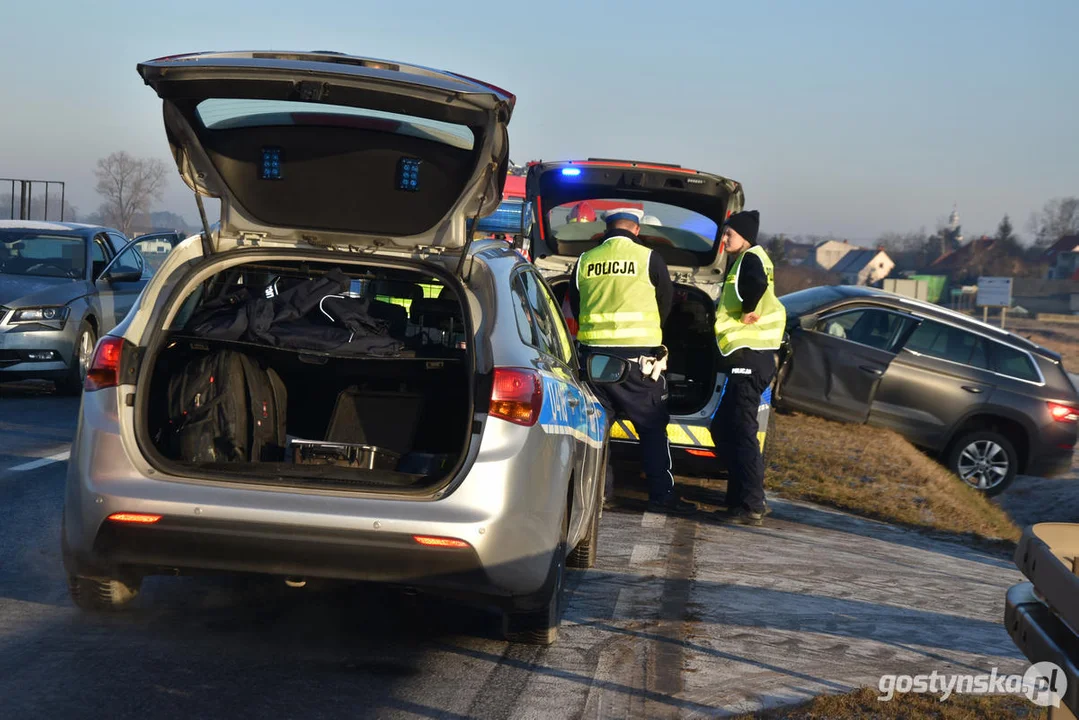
column 766, row 333
column 618, row 299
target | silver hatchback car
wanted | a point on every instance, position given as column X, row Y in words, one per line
column 330, row 166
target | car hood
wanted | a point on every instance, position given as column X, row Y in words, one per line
column 20, row 291
column 343, row 152
column 706, row 199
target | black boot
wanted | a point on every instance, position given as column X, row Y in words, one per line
column 673, row 505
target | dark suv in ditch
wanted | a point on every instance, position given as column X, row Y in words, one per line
column 989, row 403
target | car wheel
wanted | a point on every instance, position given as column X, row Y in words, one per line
column 102, row 594
column 85, row 342
column 985, row 460
column 540, row 626
column 583, row 556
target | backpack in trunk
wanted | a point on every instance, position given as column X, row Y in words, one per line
column 212, row 421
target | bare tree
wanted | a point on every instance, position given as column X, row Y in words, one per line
column 128, row 184
column 1059, row 218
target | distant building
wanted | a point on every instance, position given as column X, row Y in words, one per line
column 1063, row 258
column 962, row 258
column 826, row 255
column 1046, row 296
column 863, row 267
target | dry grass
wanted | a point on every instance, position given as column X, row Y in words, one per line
column 864, row 704
column 878, row 474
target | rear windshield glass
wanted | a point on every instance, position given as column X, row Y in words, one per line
column 225, row 114
column 661, row 225
column 42, row 255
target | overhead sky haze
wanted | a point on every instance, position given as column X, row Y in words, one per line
column 839, row 116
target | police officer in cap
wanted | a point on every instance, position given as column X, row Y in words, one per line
column 750, row 322
column 620, row 295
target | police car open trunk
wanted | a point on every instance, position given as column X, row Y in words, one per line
column 683, row 213
column 324, row 338
column 313, row 373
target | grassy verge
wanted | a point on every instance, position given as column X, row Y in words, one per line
column 864, row 704
column 878, row 474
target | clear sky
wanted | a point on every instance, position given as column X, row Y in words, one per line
column 852, row 117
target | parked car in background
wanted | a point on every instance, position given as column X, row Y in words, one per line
column 988, row 403
column 62, row 285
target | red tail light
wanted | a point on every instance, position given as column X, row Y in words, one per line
column 442, row 542
column 517, row 396
column 701, row 453
column 105, row 369
column 1063, row 413
column 137, row 518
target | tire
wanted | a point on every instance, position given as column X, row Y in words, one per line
column 83, row 355
column 102, row 594
column 985, row 460
column 540, row 626
column 583, row 556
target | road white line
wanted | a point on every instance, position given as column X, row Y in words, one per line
column 653, row 520
column 643, row 553
column 41, row 462
column 623, row 606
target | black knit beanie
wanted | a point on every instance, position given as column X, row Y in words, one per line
column 746, row 224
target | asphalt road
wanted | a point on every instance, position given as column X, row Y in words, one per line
column 681, row 618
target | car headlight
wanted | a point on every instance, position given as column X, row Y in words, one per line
column 52, row 316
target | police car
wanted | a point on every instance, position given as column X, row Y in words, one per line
column 683, row 213
column 476, row 452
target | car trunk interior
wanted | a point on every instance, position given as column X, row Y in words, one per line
column 689, row 336
column 390, row 411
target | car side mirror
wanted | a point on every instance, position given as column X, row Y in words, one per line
column 807, row 322
column 123, row 276
column 606, row 369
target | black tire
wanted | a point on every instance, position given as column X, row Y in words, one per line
column 979, row 457
column 583, row 556
column 540, row 626
column 86, row 337
column 102, row 594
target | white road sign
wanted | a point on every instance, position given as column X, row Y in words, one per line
column 994, row 292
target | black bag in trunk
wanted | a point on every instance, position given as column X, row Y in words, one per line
column 211, row 420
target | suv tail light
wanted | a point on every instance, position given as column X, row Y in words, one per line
column 104, row 371
column 1063, row 413
column 517, row 396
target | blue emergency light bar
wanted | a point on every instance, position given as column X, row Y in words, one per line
column 506, row 219
column 571, row 172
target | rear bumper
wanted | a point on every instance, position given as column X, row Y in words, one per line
column 1050, row 462
column 275, row 549
column 510, row 522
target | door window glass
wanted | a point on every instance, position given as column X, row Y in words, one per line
column 541, row 319
column 873, row 328
column 129, row 261
column 563, row 348
column 1011, row 362
column 945, row 342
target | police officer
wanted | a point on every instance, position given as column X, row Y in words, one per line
column 750, row 322
column 620, row 295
